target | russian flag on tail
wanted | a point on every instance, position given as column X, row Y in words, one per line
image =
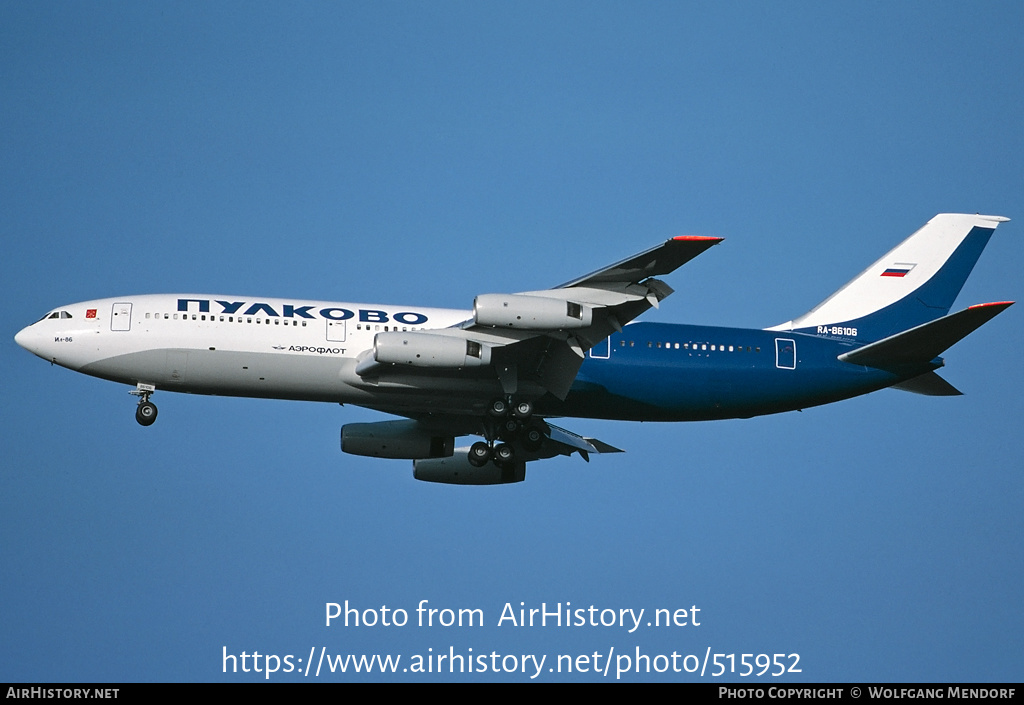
column 898, row 270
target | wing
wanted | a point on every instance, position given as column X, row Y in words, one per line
column 562, row 323
column 614, row 295
column 540, row 337
column 657, row 261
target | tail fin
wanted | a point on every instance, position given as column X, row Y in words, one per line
column 913, row 284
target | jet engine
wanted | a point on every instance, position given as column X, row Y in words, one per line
column 395, row 439
column 530, row 312
column 429, row 350
column 457, row 470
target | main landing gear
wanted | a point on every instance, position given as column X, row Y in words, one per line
column 145, row 414
column 511, row 423
column 500, row 408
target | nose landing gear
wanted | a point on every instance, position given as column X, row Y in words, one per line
column 146, row 412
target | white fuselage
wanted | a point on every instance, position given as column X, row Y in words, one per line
column 230, row 345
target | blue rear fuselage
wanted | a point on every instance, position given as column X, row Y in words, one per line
column 670, row 372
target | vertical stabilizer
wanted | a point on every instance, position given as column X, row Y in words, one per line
column 914, row 283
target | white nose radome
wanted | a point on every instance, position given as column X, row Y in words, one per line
column 22, row 338
column 30, row 340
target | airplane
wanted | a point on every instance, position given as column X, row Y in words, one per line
column 503, row 370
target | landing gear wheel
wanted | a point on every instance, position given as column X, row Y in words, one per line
column 479, row 454
column 533, row 438
column 498, row 408
column 509, row 430
column 523, row 410
column 145, row 414
column 504, row 455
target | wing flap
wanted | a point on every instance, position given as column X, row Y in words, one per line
column 580, row 443
column 562, row 442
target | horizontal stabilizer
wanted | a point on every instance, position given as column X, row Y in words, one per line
column 925, row 342
column 929, row 384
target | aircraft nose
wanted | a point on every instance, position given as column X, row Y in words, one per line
column 28, row 339
column 21, row 338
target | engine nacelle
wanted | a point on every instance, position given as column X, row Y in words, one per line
column 429, row 350
column 457, row 470
column 530, row 312
column 394, row 439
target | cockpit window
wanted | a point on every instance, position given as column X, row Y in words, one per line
column 56, row 315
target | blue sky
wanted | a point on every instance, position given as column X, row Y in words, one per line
column 424, row 153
